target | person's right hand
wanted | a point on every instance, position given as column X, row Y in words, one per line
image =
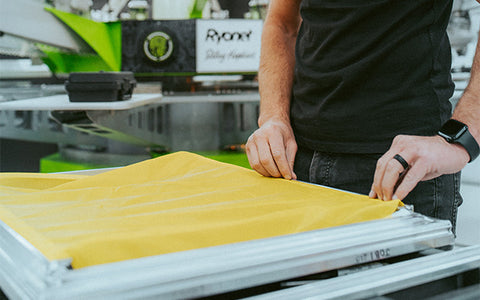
column 271, row 149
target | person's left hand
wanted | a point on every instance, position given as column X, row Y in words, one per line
column 427, row 157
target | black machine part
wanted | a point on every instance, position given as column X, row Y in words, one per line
column 100, row 86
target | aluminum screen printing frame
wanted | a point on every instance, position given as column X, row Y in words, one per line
column 25, row 273
column 390, row 278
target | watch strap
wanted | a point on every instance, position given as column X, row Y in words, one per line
column 469, row 143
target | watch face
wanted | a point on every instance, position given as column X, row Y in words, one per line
column 453, row 129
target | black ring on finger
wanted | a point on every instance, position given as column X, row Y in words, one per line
column 401, row 160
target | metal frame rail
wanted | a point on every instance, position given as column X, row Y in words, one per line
column 387, row 279
column 26, row 274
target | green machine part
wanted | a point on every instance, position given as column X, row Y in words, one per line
column 105, row 40
column 55, row 163
column 197, row 9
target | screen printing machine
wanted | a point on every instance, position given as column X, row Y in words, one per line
column 405, row 256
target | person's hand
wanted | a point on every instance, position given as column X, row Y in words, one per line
column 427, row 158
column 271, row 149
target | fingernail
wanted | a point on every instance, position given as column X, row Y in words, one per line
column 395, row 197
column 371, row 194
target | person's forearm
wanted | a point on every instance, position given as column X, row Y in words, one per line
column 271, row 149
column 276, row 69
column 467, row 110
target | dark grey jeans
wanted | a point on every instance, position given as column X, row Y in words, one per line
column 438, row 198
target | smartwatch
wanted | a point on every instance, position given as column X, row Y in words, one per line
column 457, row 133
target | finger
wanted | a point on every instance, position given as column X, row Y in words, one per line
column 277, row 148
column 415, row 174
column 291, row 152
column 253, row 160
column 391, row 177
column 379, row 173
column 381, row 167
column 266, row 158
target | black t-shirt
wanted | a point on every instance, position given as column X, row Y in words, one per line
column 368, row 70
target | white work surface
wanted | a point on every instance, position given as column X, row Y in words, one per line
column 61, row 102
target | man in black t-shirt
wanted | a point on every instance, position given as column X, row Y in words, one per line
column 353, row 94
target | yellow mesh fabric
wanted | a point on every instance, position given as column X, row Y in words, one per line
column 176, row 202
